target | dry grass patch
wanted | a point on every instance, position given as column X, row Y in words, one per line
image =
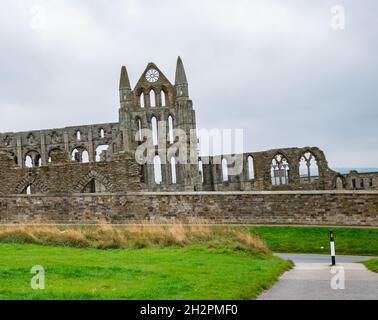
column 104, row 236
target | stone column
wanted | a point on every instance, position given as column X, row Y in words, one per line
column 20, row 160
column 90, row 145
column 43, row 149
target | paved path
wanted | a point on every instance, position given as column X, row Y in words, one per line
column 310, row 279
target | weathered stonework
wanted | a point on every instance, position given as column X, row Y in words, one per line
column 348, row 208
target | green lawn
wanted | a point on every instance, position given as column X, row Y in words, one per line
column 353, row 241
column 194, row 272
column 371, row 264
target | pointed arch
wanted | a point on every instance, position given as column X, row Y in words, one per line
column 279, row 169
column 141, row 100
column 152, row 95
column 154, row 128
column 83, row 183
column 308, row 167
column 163, row 98
column 36, row 185
column 170, row 129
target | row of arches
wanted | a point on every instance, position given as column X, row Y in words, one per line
column 91, row 182
column 154, row 128
column 79, row 154
column 279, row 169
column 153, row 99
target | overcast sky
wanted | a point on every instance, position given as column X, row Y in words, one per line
column 276, row 69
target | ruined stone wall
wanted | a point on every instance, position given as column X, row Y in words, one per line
column 261, row 178
column 122, row 174
column 361, row 181
column 358, row 208
column 39, row 144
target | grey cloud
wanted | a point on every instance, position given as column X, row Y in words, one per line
column 274, row 68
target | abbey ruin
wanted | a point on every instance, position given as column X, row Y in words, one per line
column 77, row 174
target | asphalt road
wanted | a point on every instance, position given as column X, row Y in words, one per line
column 312, row 279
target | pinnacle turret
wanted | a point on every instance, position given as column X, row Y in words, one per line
column 181, row 83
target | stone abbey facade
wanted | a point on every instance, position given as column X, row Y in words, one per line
column 100, row 158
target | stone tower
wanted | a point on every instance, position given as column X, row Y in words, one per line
column 156, row 104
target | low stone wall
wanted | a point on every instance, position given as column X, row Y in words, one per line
column 358, row 208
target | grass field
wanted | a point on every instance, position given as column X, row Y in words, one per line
column 352, row 241
column 155, row 263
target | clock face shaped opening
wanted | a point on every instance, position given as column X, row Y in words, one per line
column 152, row 75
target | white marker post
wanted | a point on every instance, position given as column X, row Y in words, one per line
column 332, row 243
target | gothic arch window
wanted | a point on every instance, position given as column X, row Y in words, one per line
column 157, row 170
column 78, row 135
column 279, row 170
column 251, row 171
column 170, row 129
column 80, row 155
column 28, row 162
column 308, row 168
column 101, row 152
column 33, row 159
column 154, row 127
column 141, row 100
column 102, row 133
column 163, row 98
column 224, row 170
column 173, row 171
column 152, row 98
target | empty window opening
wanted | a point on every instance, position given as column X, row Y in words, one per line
column 225, row 170
column 78, row 135
column 154, row 131
column 362, row 183
column 173, row 170
column 29, row 189
column 308, row 168
column 94, row 186
column 80, row 155
column 163, row 98
column 279, row 170
column 157, row 170
column 141, row 100
column 371, row 182
column 102, row 133
column 28, row 162
column 251, row 171
column 170, row 129
column 152, row 99
column 101, row 152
